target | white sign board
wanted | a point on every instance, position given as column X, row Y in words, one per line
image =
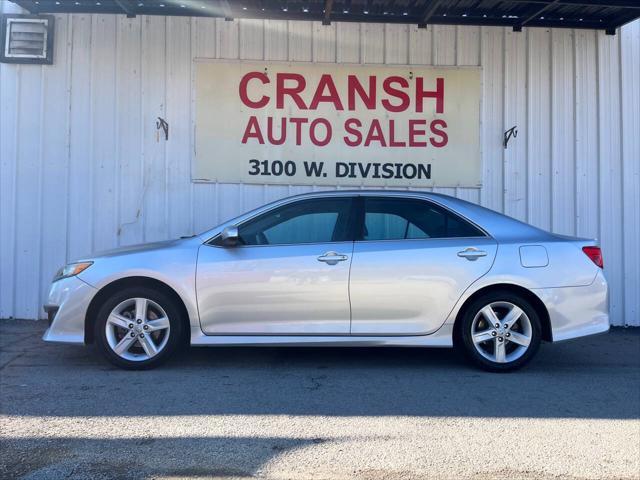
column 337, row 124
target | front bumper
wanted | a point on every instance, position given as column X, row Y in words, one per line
column 66, row 310
column 577, row 311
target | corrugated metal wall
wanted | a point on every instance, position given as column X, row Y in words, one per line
column 82, row 168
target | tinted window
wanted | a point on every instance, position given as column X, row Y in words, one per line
column 397, row 219
column 310, row 221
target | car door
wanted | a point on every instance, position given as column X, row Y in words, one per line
column 288, row 276
column 411, row 263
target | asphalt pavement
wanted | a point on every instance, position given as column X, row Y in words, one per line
column 321, row 413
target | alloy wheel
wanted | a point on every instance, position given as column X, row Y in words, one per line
column 501, row 332
column 137, row 329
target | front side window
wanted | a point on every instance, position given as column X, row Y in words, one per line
column 401, row 219
column 307, row 221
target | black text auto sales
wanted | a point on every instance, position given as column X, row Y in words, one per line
column 392, row 94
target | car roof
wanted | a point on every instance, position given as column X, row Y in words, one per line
column 501, row 227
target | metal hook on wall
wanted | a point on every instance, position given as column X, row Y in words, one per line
column 512, row 132
column 161, row 123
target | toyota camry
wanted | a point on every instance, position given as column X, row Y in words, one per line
column 339, row 268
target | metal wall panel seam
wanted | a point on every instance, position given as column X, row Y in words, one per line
column 141, row 113
column 38, row 239
column 16, row 213
column 70, row 43
column 575, row 131
column 623, row 264
column 116, row 129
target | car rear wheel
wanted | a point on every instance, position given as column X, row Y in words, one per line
column 138, row 328
column 500, row 331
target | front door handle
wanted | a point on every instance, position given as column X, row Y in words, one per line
column 472, row 254
column 331, row 258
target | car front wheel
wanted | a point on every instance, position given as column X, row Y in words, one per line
column 500, row 331
column 138, row 328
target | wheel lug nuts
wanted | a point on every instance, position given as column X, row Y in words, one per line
column 131, row 325
column 141, row 335
column 508, row 334
column 493, row 333
column 497, row 325
column 133, row 334
column 506, row 325
column 499, row 339
column 139, row 321
column 146, row 327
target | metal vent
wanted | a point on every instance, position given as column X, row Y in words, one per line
column 27, row 39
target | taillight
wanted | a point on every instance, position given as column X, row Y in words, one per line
column 595, row 254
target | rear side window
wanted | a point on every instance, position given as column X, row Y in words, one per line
column 404, row 219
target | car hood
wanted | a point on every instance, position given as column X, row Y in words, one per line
column 142, row 247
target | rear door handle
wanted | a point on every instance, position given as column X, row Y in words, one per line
column 472, row 253
column 331, row 258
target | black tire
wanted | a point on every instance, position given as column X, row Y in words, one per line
column 175, row 331
column 466, row 325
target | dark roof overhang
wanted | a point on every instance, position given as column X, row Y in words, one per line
column 605, row 15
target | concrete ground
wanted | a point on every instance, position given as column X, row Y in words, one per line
column 319, row 413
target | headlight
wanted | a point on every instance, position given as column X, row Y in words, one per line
column 71, row 269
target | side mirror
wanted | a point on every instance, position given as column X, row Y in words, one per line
column 230, row 237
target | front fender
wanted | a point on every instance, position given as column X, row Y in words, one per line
column 174, row 267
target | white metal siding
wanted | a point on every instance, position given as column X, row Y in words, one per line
column 82, row 170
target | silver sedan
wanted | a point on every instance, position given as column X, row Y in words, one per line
column 359, row 268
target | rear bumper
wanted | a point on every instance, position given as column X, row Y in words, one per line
column 66, row 310
column 577, row 311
